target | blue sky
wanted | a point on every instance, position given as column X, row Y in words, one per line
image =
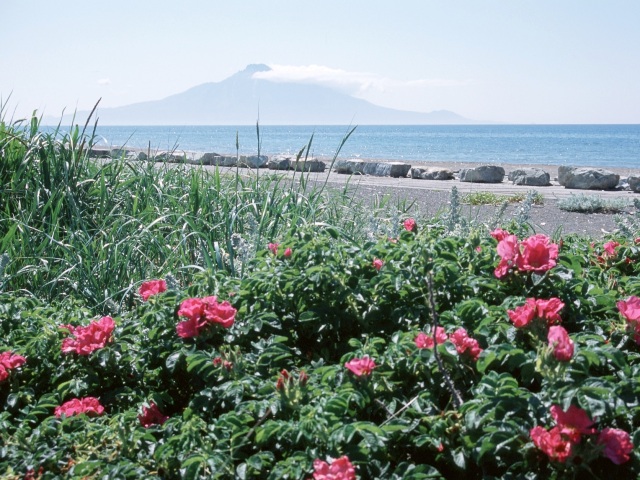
column 515, row 61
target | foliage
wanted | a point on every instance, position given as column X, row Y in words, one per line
column 491, row 198
column 591, row 204
column 267, row 394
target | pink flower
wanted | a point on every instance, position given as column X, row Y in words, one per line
column 89, row 405
column 561, row 344
column 426, row 341
column 287, row 253
column 340, row 469
column 410, row 225
column 361, row 366
column 574, row 422
column 465, row 344
column 9, row 361
column 377, row 263
column 508, row 250
column 553, row 443
column 524, row 314
column 537, row 254
column 479, row 249
column 630, row 309
column 617, row 445
column 90, row 338
column 499, row 234
column 152, row 287
column 273, row 247
column 548, row 310
column 610, row 249
column 151, row 415
column 202, row 311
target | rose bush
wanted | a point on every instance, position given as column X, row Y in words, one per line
column 323, row 365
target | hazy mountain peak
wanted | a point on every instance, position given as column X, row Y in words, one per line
column 240, row 99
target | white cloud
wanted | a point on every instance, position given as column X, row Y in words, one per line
column 357, row 83
column 104, row 81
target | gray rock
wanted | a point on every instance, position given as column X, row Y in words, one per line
column 350, row 167
column 310, row 165
column 634, row 183
column 224, row 160
column 98, row 152
column 279, row 162
column 170, row 157
column 431, row 173
column 209, row 158
column 563, row 171
column 535, row 177
column 254, row 161
column 377, row 169
column 398, row 169
column 142, row 156
column 587, row 178
column 482, row 174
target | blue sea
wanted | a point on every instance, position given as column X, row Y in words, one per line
column 580, row 145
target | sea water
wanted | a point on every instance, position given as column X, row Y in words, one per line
column 580, row 145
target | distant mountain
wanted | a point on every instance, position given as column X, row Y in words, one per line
column 240, row 99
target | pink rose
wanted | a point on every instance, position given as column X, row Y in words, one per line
column 202, row 311
column 273, row 247
column 340, row 469
column 617, row 445
column 423, row 340
column 89, row 405
column 549, row 309
column 574, row 422
column 508, row 250
column 151, row 415
column 90, row 338
column 410, row 225
column 361, row 366
column 630, row 308
column 537, row 254
column 561, row 344
column 499, row 234
column 524, row 314
column 553, row 443
column 9, row 361
column 377, row 263
column 610, row 248
column 152, row 287
column 465, row 344
column 287, row 253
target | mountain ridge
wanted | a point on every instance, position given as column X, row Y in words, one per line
column 242, row 99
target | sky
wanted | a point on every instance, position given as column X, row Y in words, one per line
column 508, row 61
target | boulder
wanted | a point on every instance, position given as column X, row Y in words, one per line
column 398, row 169
column 223, row 160
column 482, row 174
column 587, row 178
column 170, row 157
column 279, row 162
column 209, row 158
column 350, row 167
column 563, row 171
column 254, row 161
column 100, row 152
column 311, row 165
column 142, row 156
column 377, row 169
column 534, row 177
column 634, row 183
column 431, row 173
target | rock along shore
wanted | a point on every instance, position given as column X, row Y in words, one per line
column 549, row 180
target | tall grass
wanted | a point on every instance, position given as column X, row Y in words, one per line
column 74, row 227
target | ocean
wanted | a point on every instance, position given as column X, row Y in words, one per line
column 579, row 145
